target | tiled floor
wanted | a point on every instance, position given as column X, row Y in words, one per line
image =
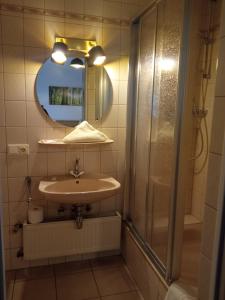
column 105, row 278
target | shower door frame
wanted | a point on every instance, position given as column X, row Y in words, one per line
column 171, row 271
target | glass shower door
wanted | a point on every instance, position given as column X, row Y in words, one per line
column 162, row 138
column 155, row 123
column 143, row 121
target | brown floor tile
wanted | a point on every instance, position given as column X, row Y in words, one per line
column 10, row 276
column 72, row 267
column 124, row 296
column 113, row 281
column 10, row 279
column 106, row 262
column 34, row 273
column 76, row 286
column 40, row 289
column 9, row 290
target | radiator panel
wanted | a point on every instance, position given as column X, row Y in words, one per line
column 62, row 238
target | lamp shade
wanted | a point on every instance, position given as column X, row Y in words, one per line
column 59, row 53
column 77, row 63
column 96, row 56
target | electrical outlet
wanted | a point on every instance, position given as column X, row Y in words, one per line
column 18, row 149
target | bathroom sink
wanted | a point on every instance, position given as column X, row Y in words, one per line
column 86, row 189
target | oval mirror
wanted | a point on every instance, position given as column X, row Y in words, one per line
column 69, row 96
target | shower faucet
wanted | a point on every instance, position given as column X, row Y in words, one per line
column 76, row 172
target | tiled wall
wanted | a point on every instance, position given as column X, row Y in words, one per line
column 214, row 174
column 26, row 39
column 148, row 280
column 201, row 12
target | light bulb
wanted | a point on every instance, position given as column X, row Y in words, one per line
column 77, row 63
column 96, row 56
column 59, row 52
column 99, row 60
column 59, row 57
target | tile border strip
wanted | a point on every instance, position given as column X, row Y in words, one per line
column 62, row 14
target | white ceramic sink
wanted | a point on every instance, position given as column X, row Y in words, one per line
column 86, row 189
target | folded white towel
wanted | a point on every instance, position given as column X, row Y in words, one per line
column 85, row 133
column 178, row 291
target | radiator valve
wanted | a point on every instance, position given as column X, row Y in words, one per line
column 17, row 227
column 19, row 253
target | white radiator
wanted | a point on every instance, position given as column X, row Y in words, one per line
column 62, row 238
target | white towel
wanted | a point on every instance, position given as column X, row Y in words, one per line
column 85, row 133
column 178, row 291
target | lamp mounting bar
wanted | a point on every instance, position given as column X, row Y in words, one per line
column 80, row 45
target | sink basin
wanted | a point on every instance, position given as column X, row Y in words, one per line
column 86, row 189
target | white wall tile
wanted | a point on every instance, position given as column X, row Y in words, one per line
column 94, row 7
column 220, row 89
column 12, row 30
column 17, row 166
column 30, row 86
column 123, row 85
column 3, row 190
column 6, row 239
column 111, row 120
column 2, row 139
column 17, row 189
column 15, row 238
column 108, row 205
column 14, row 86
column 92, row 161
column 112, row 9
column 76, row 6
column 56, row 164
column 17, row 262
column 109, row 161
column 54, row 4
column 37, row 164
column 34, row 3
column 35, row 115
column 18, row 212
column 122, row 115
column 111, row 40
column 3, row 164
column 53, row 29
column 15, row 113
column 34, row 32
column 204, row 279
column 13, row 59
column 125, row 41
column 2, row 113
column 34, row 57
column 130, row 10
column 1, row 86
column 208, row 230
column 5, row 213
column 214, row 172
column 34, row 134
column 16, row 135
column 218, row 125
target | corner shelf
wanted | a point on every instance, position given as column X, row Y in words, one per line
column 60, row 142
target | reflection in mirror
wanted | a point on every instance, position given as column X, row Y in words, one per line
column 69, row 96
column 100, row 93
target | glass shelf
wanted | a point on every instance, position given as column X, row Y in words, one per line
column 60, row 142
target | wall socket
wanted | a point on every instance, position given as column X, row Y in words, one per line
column 18, row 149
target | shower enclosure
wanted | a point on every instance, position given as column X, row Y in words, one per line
column 155, row 209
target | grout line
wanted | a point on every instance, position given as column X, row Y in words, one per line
column 92, row 271
column 13, row 289
column 54, row 274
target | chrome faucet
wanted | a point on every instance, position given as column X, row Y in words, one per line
column 76, row 172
